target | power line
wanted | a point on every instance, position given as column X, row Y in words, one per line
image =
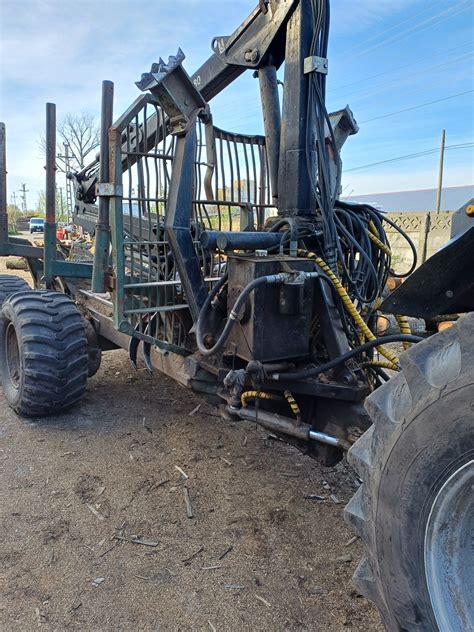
column 415, row 107
column 447, row 14
column 408, row 156
column 374, row 88
column 253, row 112
column 443, row 51
column 407, row 79
column 391, row 28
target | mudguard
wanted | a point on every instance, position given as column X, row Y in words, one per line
column 444, row 284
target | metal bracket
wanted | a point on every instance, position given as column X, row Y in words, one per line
column 172, row 87
column 108, row 189
column 315, row 64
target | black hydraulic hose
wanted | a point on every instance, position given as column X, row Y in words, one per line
column 290, row 221
column 204, row 309
column 306, row 373
column 233, row 316
column 410, row 243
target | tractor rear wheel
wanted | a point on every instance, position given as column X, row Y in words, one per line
column 10, row 284
column 43, row 353
column 415, row 509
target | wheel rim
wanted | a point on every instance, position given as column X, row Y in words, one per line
column 13, row 356
column 449, row 552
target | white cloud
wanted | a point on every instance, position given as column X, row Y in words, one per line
column 350, row 16
column 60, row 51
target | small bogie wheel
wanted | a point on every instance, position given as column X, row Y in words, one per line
column 93, row 348
column 10, row 284
column 415, row 509
column 43, row 353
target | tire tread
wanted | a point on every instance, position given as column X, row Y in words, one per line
column 51, row 334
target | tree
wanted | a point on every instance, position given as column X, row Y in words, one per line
column 14, row 213
column 61, row 207
column 80, row 132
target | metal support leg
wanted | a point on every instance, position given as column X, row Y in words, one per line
column 272, row 121
column 50, row 223
column 295, row 193
column 178, row 215
column 102, row 233
column 3, row 188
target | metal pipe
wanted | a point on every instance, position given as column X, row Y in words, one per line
column 50, row 223
column 214, row 239
column 272, row 421
column 267, row 77
column 323, row 437
column 50, row 163
column 3, row 186
column 102, row 233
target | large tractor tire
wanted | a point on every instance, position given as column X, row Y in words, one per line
column 43, row 353
column 10, row 284
column 415, row 509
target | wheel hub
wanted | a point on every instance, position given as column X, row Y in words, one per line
column 449, row 552
column 13, row 356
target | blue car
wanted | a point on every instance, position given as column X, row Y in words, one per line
column 36, row 225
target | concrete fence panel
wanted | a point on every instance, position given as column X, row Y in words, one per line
column 429, row 232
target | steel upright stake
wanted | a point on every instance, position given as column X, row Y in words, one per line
column 102, row 233
column 3, row 186
column 50, row 223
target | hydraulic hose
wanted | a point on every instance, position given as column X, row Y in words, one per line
column 293, row 405
column 404, row 326
column 246, row 395
column 351, row 308
column 312, row 372
column 380, row 364
column 239, row 303
column 374, row 237
column 204, row 309
column 290, row 221
column 234, row 314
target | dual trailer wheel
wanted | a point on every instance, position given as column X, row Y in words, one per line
column 44, row 357
column 415, row 510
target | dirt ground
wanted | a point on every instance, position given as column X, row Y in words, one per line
column 258, row 553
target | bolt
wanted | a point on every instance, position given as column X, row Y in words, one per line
column 124, row 326
column 449, row 294
column 209, row 339
column 347, row 378
column 252, row 55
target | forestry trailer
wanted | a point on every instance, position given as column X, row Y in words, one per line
column 229, row 262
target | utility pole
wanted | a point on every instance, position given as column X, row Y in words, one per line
column 61, row 201
column 14, row 198
column 440, row 172
column 68, row 183
column 24, row 191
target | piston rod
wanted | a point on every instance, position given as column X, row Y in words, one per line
column 275, row 422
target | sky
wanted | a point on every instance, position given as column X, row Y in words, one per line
column 384, row 56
